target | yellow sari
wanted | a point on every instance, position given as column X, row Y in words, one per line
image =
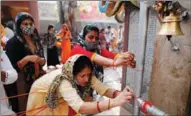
column 69, row 101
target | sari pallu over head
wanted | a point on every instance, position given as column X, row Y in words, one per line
column 52, row 99
column 64, row 32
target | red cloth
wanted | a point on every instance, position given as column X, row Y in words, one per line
column 71, row 112
column 77, row 49
column 107, row 53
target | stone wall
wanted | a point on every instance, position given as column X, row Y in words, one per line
column 171, row 73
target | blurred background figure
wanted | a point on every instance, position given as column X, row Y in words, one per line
column 108, row 36
column 102, row 39
column 65, row 35
column 52, row 51
column 113, row 40
column 120, row 38
column 8, row 76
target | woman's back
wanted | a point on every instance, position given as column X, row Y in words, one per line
column 44, row 82
column 37, row 98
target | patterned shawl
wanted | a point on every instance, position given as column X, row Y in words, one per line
column 29, row 69
column 67, row 73
column 49, row 40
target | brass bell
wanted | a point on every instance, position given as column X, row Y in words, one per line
column 171, row 25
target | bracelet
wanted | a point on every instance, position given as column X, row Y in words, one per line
column 19, row 64
column 109, row 105
column 98, row 107
column 115, row 93
column 115, row 58
column 113, row 64
column 36, row 65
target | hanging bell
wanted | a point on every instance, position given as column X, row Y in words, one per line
column 171, row 25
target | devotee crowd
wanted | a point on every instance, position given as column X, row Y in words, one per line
column 29, row 89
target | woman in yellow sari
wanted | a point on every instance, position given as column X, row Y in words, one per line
column 69, row 92
column 65, row 35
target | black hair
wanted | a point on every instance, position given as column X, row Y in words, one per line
column 81, row 63
column 102, row 30
column 7, row 19
column 20, row 19
column 50, row 27
column 109, row 27
column 89, row 28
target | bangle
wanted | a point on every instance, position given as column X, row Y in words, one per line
column 19, row 64
column 113, row 64
column 109, row 105
column 115, row 58
column 36, row 66
column 98, row 107
column 115, row 93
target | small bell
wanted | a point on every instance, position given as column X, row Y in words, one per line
column 171, row 25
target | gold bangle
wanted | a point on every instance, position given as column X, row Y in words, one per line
column 109, row 105
column 98, row 108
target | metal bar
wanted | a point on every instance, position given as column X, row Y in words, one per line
column 126, row 41
column 150, row 108
column 143, row 20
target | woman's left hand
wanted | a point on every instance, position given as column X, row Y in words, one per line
column 42, row 61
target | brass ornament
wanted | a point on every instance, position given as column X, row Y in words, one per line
column 171, row 25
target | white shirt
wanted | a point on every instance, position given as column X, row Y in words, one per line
column 120, row 35
column 9, row 33
column 108, row 35
column 11, row 78
column 4, row 39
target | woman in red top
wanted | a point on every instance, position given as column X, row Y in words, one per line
column 88, row 44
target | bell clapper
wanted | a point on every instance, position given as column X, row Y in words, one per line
column 174, row 46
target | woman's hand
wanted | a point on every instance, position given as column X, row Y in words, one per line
column 124, row 97
column 34, row 58
column 3, row 76
column 126, row 59
column 42, row 61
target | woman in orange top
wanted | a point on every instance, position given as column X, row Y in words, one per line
column 65, row 35
column 2, row 36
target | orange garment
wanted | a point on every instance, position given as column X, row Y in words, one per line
column 65, row 36
column 2, row 35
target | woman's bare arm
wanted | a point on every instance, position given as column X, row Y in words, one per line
column 91, row 107
column 102, row 61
